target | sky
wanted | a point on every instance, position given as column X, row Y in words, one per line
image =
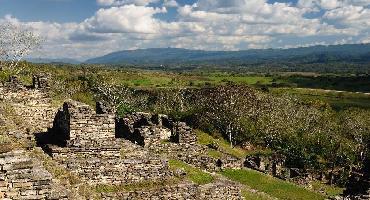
column 82, row 29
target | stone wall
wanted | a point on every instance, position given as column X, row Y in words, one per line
column 32, row 106
column 270, row 164
column 91, row 150
column 182, row 133
column 79, row 123
column 218, row 190
column 24, row 178
column 41, row 81
column 147, row 129
column 107, row 163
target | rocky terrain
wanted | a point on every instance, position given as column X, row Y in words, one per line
column 73, row 151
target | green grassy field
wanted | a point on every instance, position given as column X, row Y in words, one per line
column 205, row 139
column 248, row 195
column 271, row 186
column 338, row 100
column 194, row 174
column 285, row 83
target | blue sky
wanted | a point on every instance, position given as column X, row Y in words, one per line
column 83, row 29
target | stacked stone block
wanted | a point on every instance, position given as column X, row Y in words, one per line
column 24, row 178
column 184, row 134
column 110, row 164
column 30, row 104
column 150, row 130
column 184, row 191
column 41, row 81
column 270, row 164
column 80, row 124
column 93, row 152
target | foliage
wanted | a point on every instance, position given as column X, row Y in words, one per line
column 15, row 43
column 147, row 185
column 272, row 186
column 192, row 173
column 224, row 146
column 225, row 107
column 329, row 190
column 307, row 131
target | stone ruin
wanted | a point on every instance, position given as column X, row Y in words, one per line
column 270, row 164
column 102, row 149
column 33, row 104
column 41, row 81
column 84, row 141
column 77, row 123
column 147, row 130
column 22, row 177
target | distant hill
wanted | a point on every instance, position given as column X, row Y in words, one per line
column 50, row 60
column 353, row 53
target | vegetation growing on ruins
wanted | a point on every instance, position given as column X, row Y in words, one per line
column 192, row 173
column 272, row 186
column 324, row 132
column 223, row 145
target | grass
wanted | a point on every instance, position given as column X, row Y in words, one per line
column 205, row 139
column 270, row 185
column 338, row 100
column 250, row 80
column 248, row 195
column 147, row 185
column 329, row 190
column 196, row 175
column 152, row 79
column 214, row 153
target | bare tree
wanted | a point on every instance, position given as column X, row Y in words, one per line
column 15, row 43
column 113, row 94
column 226, row 106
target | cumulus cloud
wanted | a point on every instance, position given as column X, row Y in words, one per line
column 170, row 3
column 350, row 16
column 125, row 2
column 127, row 18
column 331, row 4
column 206, row 24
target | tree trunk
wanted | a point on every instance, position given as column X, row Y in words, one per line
column 230, row 135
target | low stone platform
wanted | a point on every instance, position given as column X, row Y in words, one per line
column 184, row 191
column 22, row 177
column 115, row 162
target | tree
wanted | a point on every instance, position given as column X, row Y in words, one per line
column 15, row 43
column 225, row 107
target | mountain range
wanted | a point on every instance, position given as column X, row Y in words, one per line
column 175, row 56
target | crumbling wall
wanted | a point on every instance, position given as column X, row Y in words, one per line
column 32, row 105
column 24, row 178
column 79, row 123
column 108, row 163
column 144, row 129
column 182, row 133
column 270, row 164
column 147, row 130
column 41, row 81
column 218, row 190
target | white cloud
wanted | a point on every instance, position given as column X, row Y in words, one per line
column 125, row 2
column 350, row 16
column 127, row 18
column 331, row 4
column 170, row 3
column 207, row 24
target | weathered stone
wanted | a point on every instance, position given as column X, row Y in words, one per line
column 77, row 121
